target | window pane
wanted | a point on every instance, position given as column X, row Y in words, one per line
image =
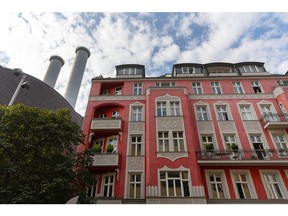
column 178, row 187
column 131, row 194
column 171, row 188
column 163, row 188
column 138, row 190
column 186, row 189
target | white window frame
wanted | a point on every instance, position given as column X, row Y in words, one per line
column 168, row 179
column 247, row 113
column 238, row 88
column 92, row 191
column 115, row 114
column 222, row 113
column 280, row 144
column 106, row 92
column 138, row 145
column 174, row 108
column 230, row 139
column 179, row 141
column 205, row 139
column 109, row 184
column 161, row 108
column 225, row 188
column 269, row 185
column 133, row 185
column 216, row 88
column 137, row 88
column 256, row 86
column 164, row 141
column 99, row 142
column 114, row 143
column 165, row 84
column 102, row 115
column 137, row 113
column 249, row 183
column 202, row 114
column 197, row 88
column 169, row 141
column 118, row 90
column 268, row 112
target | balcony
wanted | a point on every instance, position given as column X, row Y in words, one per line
column 102, row 124
column 243, row 157
column 105, row 160
column 275, row 121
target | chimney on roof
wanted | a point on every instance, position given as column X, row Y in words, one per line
column 56, row 62
column 74, row 83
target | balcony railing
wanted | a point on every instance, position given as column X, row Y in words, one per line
column 241, row 155
column 106, row 124
column 105, row 159
column 275, row 121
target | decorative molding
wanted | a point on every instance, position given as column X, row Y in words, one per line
column 277, row 91
column 105, row 124
column 172, row 155
column 170, row 123
column 231, row 96
column 117, row 97
column 252, row 126
column 136, row 127
column 105, row 160
column 227, row 126
column 205, row 127
column 168, row 97
column 135, row 164
column 196, row 191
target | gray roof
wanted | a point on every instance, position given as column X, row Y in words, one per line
column 39, row 94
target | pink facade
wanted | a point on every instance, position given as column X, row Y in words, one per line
column 213, row 133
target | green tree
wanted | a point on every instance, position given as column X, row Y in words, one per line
column 38, row 163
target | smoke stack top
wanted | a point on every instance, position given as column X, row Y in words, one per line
column 74, row 83
column 56, row 62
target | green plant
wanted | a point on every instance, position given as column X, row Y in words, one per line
column 209, row 147
column 109, row 148
column 234, row 147
column 97, row 148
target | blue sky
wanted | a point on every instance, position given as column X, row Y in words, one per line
column 157, row 40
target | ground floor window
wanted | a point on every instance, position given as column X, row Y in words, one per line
column 242, row 186
column 272, row 186
column 135, row 186
column 108, row 186
column 174, row 184
column 216, row 186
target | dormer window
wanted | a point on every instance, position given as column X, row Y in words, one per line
column 131, row 70
column 251, row 69
column 188, row 70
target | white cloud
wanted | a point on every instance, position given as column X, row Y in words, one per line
column 29, row 39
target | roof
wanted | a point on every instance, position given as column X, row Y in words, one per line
column 39, row 94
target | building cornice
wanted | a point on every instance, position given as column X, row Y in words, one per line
column 192, row 78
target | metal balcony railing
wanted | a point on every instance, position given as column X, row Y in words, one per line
column 274, row 121
column 241, row 154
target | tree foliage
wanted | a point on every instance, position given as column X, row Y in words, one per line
column 38, row 163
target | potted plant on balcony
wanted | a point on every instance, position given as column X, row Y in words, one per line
column 109, row 148
column 209, row 147
column 97, row 148
column 234, row 147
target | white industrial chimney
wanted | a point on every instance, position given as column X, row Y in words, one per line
column 74, row 83
column 56, row 62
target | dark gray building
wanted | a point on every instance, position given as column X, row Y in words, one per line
column 39, row 95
